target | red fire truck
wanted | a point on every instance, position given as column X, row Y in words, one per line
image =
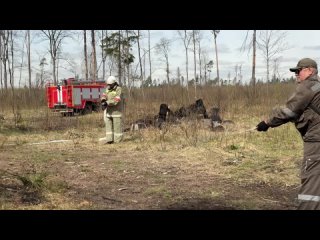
column 75, row 96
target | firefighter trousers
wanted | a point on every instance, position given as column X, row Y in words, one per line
column 114, row 131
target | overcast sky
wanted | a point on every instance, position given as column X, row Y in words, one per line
column 301, row 43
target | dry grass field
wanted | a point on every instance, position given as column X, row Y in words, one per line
column 183, row 166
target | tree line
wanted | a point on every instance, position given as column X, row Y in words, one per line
column 124, row 55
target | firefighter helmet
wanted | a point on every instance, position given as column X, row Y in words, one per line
column 111, row 80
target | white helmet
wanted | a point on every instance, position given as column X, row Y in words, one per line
column 111, row 80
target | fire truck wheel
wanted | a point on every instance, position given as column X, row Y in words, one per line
column 87, row 109
column 67, row 114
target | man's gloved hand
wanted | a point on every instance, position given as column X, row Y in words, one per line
column 262, row 126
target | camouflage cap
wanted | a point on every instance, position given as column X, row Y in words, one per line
column 305, row 62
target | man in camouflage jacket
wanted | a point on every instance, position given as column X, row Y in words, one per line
column 303, row 109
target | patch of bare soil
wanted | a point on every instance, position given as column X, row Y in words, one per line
column 110, row 177
column 14, row 193
column 271, row 199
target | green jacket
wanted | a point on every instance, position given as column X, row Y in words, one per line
column 115, row 101
column 299, row 111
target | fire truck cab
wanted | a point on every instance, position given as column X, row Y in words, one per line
column 71, row 96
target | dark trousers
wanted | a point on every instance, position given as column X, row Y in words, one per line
column 309, row 194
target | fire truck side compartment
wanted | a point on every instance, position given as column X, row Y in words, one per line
column 85, row 93
column 76, row 96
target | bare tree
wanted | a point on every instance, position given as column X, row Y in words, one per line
column 209, row 67
column 119, row 57
column 103, row 55
column 1, row 59
column 204, row 59
column 186, row 37
column 149, row 54
column 55, row 38
column 85, row 53
column 127, row 51
column 139, row 52
column 240, row 74
column 195, row 34
column 42, row 64
column 4, row 57
column 199, row 37
column 29, row 59
column 252, row 45
column 271, row 43
column 22, row 58
column 276, row 77
column 163, row 48
column 10, row 60
column 144, row 62
column 236, row 73
column 94, row 56
column 215, row 34
column 178, row 76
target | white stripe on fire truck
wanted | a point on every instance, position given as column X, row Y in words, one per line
column 61, row 100
column 58, row 95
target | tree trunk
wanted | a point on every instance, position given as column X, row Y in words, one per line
column 217, row 61
column 149, row 54
column 200, row 67
column 29, row 59
column 57, row 65
column 119, row 59
column 103, row 57
column 94, row 56
column 167, row 70
column 268, row 71
column 186, row 47
column 253, row 78
column 144, row 64
column 1, row 60
column 128, row 65
column 54, row 64
column 5, row 58
column 195, row 64
column 140, row 63
column 85, row 53
column 22, row 57
column 11, row 76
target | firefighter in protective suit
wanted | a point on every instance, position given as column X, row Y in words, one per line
column 112, row 103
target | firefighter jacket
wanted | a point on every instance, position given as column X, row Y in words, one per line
column 301, row 109
column 115, row 101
